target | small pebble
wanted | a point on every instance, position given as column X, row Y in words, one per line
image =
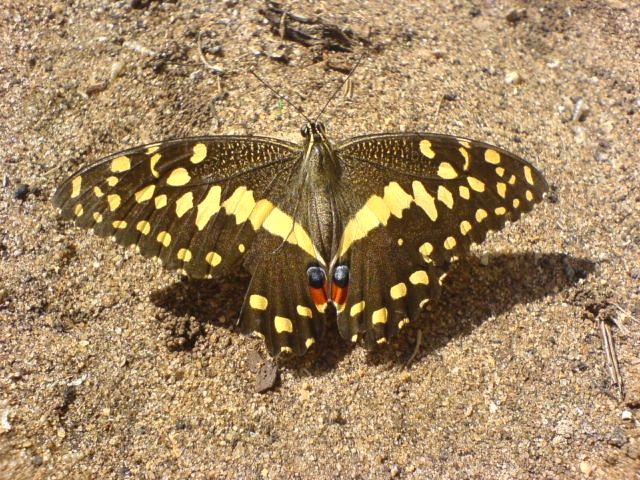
column 512, row 78
column 586, row 467
column 626, row 415
column 439, row 54
column 21, row 191
column 601, row 156
column 517, row 14
column 580, row 111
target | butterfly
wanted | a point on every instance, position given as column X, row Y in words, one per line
column 360, row 232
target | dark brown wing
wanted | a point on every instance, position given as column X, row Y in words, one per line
column 426, row 199
column 205, row 205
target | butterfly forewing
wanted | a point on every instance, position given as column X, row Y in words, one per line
column 185, row 201
column 425, row 200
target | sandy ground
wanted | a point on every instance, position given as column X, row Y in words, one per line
column 111, row 367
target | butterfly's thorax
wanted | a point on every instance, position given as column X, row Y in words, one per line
column 319, row 182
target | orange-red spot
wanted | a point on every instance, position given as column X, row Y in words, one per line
column 319, row 295
column 339, row 294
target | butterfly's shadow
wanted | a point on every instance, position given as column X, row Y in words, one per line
column 475, row 292
column 472, row 294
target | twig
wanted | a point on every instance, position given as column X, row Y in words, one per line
column 611, row 355
column 213, row 68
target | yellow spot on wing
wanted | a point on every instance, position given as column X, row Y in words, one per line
column 309, row 341
column 396, row 199
column 399, row 290
column 283, row 324
column 304, row 311
column 464, row 192
column 379, row 208
column 208, row 207
column 119, row 224
column 282, row 225
column 426, row 249
column 240, row 204
column 380, row 316
column 381, row 340
column 446, row 171
column 199, row 153
column 241, row 248
column 354, row 337
column 419, row 277
column 286, row 349
column 112, row 181
column 153, row 162
column 500, row 211
column 403, row 323
column 516, row 203
column 184, row 254
column 151, row 149
column 491, row 156
column 160, row 201
column 258, row 302
column 97, row 216
column 260, row 212
column 464, row 143
column 164, row 238
column 501, row 188
column 481, row 214
column 145, row 194
column 213, row 259
column 528, row 175
column 374, row 213
column 465, row 154
column 184, row 204
column 444, row 195
column 426, row 150
column 76, row 184
column 475, row 184
column 143, row 227
column 424, row 200
column 178, row 177
column 114, row 201
column 78, row 210
column 357, row 308
column 97, row 191
column 450, row 243
column 528, row 195
column 465, row 227
column 120, row 164
column 500, row 171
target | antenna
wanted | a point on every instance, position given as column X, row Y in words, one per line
column 279, row 95
column 340, row 87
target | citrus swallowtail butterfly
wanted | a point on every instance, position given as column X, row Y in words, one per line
column 360, row 231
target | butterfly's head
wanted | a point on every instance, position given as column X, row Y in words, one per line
column 312, row 129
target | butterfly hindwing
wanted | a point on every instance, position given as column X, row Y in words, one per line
column 426, row 200
column 278, row 306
